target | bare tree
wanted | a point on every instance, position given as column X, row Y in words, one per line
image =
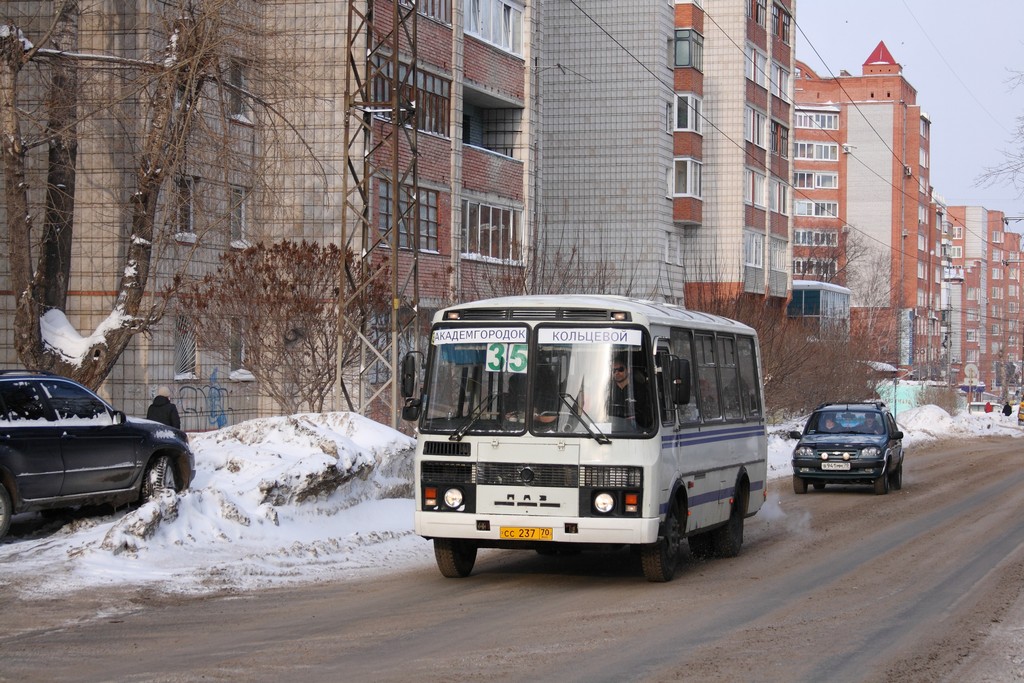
column 272, row 309
column 169, row 100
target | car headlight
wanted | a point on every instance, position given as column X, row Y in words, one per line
column 804, row 452
column 604, row 503
column 453, row 498
column 871, row 452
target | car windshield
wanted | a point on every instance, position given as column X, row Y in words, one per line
column 846, row 422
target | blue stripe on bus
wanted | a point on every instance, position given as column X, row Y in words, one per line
column 694, row 438
column 713, row 496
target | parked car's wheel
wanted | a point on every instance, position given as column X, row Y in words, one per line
column 819, row 485
column 882, row 484
column 455, row 557
column 727, row 539
column 6, row 511
column 161, row 475
column 659, row 559
column 896, row 478
column 799, row 484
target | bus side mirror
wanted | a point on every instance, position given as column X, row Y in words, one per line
column 411, row 409
column 409, row 374
column 680, row 377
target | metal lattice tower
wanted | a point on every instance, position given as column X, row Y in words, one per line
column 380, row 147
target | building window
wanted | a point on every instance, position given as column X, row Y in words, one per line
column 686, row 178
column 753, row 249
column 689, row 49
column 432, row 95
column 184, row 214
column 826, row 181
column 239, row 214
column 805, row 207
column 781, row 23
column 688, row 113
column 427, row 215
column 758, row 11
column 237, row 86
column 821, row 268
column 777, row 254
column 780, row 82
column 778, row 197
column 435, row 9
column 972, row 295
column 971, row 335
column 497, row 22
column 817, row 151
column 491, row 231
column 803, row 180
column 780, row 140
column 184, row 349
column 816, row 120
column 754, row 187
column 673, row 248
column 757, row 66
column 753, row 126
column 816, row 238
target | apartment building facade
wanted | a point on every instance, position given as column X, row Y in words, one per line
column 666, row 145
column 987, row 302
column 475, row 170
column 864, row 213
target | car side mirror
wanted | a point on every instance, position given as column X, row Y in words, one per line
column 897, row 435
column 795, row 435
column 118, row 418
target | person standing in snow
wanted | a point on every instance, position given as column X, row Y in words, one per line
column 1007, row 410
column 162, row 410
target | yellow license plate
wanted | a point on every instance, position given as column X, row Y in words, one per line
column 525, row 533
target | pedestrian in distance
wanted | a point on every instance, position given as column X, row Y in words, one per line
column 163, row 410
column 1007, row 409
column 988, row 406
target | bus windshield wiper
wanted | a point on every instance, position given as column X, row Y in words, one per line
column 574, row 406
column 474, row 416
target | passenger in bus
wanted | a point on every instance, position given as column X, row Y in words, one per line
column 630, row 395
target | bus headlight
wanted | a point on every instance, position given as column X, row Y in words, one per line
column 453, row 498
column 604, row 503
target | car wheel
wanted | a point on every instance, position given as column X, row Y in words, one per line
column 6, row 511
column 659, row 558
column 455, row 557
column 819, row 485
column 896, row 478
column 161, row 475
column 727, row 540
column 799, row 485
column 882, row 484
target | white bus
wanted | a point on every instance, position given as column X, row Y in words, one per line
column 572, row 422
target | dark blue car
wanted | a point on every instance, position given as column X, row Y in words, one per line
column 849, row 443
column 63, row 446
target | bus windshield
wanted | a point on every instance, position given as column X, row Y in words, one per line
column 585, row 381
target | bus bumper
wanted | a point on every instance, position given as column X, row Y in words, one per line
column 506, row 528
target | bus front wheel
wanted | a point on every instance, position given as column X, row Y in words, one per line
column 659, row 559
column 455, row 558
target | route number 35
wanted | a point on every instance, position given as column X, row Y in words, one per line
column 506, row 357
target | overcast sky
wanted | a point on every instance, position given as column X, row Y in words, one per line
column 958, row 56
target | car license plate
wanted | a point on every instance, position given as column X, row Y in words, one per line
column 526, row 533
column 835, row 465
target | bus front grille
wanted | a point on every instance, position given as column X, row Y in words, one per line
column 523, row 474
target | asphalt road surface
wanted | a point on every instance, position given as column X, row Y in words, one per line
column 923, row 584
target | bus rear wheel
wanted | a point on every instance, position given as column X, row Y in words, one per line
column 659, row 559
column 455, row 558
column 728, row 538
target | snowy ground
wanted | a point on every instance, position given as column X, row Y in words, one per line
column 300, row 499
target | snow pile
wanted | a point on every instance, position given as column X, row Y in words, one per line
column 278, row 500
column 927, row 423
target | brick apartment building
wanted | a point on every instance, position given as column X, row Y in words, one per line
column 865, row 217
column 475, row 167
column 985, row 302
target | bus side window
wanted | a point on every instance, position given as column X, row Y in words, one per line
column 707, row 378
column 682, row 347
column 748, row 377
column 730, row 378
